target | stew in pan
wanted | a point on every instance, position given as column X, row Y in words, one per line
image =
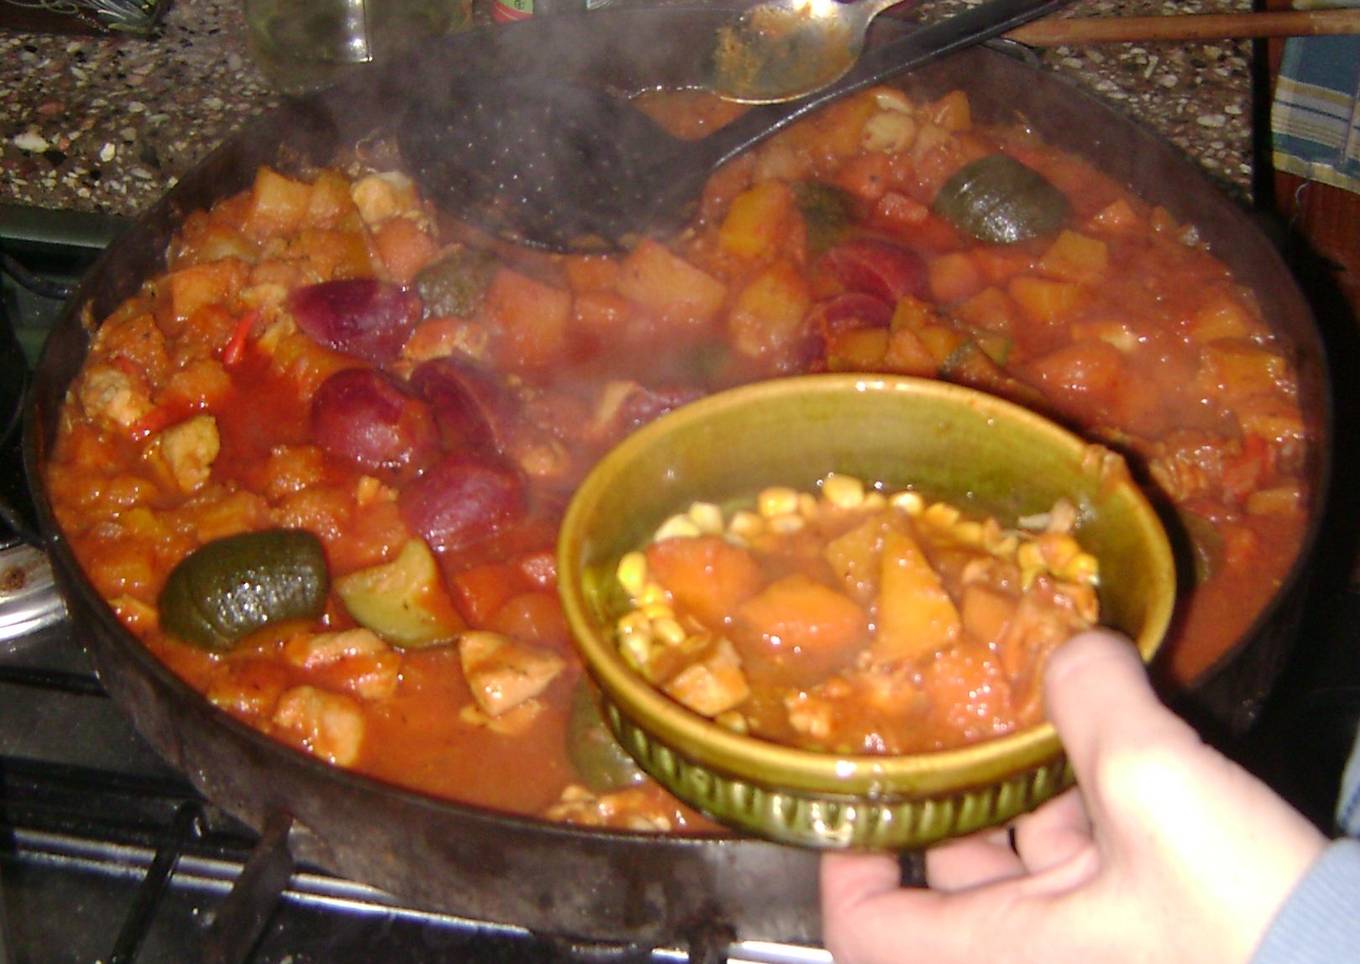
column 372, row 417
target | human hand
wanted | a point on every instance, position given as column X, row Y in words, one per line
column 1165, row 851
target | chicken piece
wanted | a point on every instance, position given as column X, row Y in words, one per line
column 325, row 724
column 811, row 714
column 513, row 722
column 355, row 659
column 189, row 449
column 248, row 688
column 502, row 672
column 385, row 195
column 631, row 809
column 112, row 395
column 713, row 684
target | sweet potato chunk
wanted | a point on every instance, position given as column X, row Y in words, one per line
column 796, row 614
column 708, row 576
column 916, row 617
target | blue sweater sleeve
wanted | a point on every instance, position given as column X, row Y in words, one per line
column 1320, row 920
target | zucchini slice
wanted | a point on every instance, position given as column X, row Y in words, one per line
column 602, row 765
column 230, row 587
column 1001, row 201
column 403, row 601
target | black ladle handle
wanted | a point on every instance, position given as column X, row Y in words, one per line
column 973, row 26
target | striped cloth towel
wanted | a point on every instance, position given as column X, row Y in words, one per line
column 1315, row 118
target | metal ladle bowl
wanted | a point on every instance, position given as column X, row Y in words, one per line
column 784, row 49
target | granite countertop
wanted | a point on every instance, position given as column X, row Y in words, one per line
column 107, row 124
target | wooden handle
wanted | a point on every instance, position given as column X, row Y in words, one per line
column 1053, row 31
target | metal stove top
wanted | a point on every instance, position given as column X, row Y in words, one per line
column 108, row 855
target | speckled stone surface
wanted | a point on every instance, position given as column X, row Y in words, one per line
column 108, row 124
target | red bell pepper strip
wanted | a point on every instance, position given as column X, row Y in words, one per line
column 236, row 344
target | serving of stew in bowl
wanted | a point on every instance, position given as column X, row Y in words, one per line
column 374, row 415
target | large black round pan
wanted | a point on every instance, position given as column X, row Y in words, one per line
column 596, row 885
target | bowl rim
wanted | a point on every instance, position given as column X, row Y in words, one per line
column 863, row 775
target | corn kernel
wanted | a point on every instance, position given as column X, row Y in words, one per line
column 909, row 502
column 1058, row 550
column 1029, row 556
column 677, row 527
column 746, row 525
column 655, row 611
column 807, row 505
column 668, row 631
column 635, row 623
column 787, row 523
column 632, row 573
column 1005, row 546
column 843, row 491
column 707, row 516
column 942, row 515
column 777, row 500
column 968, row 532
column 1082, row 568
column 636, row 651
column 732, row 720
column 367, row 490
column 874, row 501
column 653, row 594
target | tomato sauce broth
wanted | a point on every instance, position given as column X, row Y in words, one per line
column 328, row 353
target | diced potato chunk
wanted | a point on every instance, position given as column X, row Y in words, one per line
column 655, row 278
column 1222, row 317
column 757, row 220
column 1044, row 300
column 1076, row 257
column 278, row 204
column 1236, row 368
column 954, row 276
column 202, row 285
column 767, row 319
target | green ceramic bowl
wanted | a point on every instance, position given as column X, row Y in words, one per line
column 951, row 442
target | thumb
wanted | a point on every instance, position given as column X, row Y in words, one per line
column 1097, row 694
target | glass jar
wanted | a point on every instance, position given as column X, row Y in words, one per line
column 305, row 45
